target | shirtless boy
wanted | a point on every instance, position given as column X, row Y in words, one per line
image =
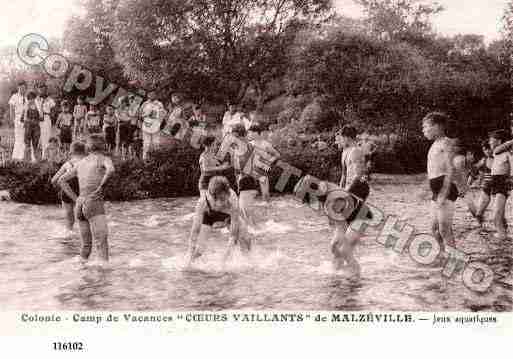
column 354, row 181
column 93, row 172
column 501, row 169
column 219, row 204
column 440, row 174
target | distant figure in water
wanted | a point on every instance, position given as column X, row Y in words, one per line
column 78, row 152
column 93, row 172
column 219, row 204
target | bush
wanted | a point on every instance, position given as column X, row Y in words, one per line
column 174, row 171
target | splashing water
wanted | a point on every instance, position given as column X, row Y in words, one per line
column 288, row 268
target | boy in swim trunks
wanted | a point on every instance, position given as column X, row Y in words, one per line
column 261, row 144
column 484, row 166
column 440, row 171
column 78, row 152
column 354, row 181
column 93, row 172
column 500, row 186
column 247, row 185
column 209, row 164
column 219, row 204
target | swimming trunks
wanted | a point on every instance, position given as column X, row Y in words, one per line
column 65, row 135
column 247, row 183
column 110, row 135
column 88, row 207
column 436, row 185
column 359, row 189
column 210, row 216
column 125, row 133
column 500, row 185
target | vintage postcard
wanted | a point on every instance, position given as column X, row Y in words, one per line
column 316, row 168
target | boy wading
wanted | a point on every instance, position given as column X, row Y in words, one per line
column 440, row 174
column 93, row 172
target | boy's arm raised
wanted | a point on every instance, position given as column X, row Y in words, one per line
column 503, row 147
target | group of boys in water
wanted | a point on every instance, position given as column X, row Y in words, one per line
column 84, row 177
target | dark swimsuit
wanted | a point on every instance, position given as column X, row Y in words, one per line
column 210, row 216
column 436, row 185
column 500, row 185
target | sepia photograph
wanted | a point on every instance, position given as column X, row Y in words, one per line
column 256, row 155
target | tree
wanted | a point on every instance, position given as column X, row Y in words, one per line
column 87, row 39
column 220, row 48
column 393, row 19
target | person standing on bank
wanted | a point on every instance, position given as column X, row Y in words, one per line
column 17, row 104
column 46, row 106
column 31, row 119
column 152, row 113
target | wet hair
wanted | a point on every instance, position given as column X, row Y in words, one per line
column 31, row 95
column 208, row 141
column 500, row 135
column 218, row 185
column 437, row 118
column 239, row 130
column 348, row 131
column 77, row 148
column 96, row 143
column 53, row 140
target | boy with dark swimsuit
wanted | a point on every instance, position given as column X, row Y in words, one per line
column 209, row 164
column 93, row 172
column 353, row 181
column 441, row 171
column 78, row 152
column 500, row 181
column 484, row 166
column 219, row 204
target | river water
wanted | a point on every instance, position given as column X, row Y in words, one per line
column 288, row 270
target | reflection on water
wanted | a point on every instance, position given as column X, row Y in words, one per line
column 288, row 270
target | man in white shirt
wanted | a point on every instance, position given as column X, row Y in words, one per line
column 152, row 113
column 45, row 104
column 17, row 104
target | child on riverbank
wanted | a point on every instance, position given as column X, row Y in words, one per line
column 109, row 128
column 79, row 113
column 92, row 123
column 93, row 173
column 219, row 204
column 52, row 153
column 77, row 152
column 65, row 126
